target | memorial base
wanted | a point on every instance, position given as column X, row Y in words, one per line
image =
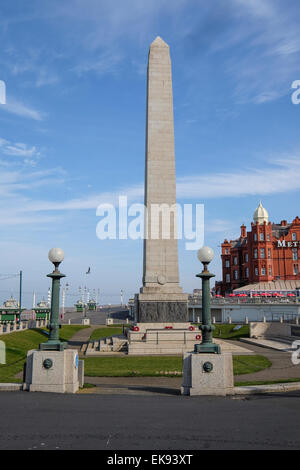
column 207, row 374
column 161, row 307
column 52, row 371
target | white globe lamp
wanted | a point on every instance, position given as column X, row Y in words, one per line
column 205, row 255
column 56, row 256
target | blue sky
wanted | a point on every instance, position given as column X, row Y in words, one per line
column 72, row 133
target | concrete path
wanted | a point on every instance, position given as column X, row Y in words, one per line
column 272, row 343
column 282, row 366
column 81, row 337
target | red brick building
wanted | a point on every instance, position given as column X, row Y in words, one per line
column 268, row 252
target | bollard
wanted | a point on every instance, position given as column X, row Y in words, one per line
column 281, row 320
column 264, row 319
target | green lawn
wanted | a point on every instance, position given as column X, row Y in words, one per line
column 249, row 364
column 18, row 343
column 226, row 331
column 151, row 366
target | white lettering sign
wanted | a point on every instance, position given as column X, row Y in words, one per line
column 287, row 244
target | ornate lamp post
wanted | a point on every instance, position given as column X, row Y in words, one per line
column 205, row 255
column 56, row 256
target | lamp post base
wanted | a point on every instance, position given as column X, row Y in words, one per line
column 207, row 374
column 52, row 371
column 207, row 348
column 53, row 346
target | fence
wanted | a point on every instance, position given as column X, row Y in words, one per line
column 23, row 325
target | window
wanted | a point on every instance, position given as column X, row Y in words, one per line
column 246, row 258
column 262, row 252
column 226, row 251
column 227, row 263
column 227, row 277
column 296, row 269
column 268, row 236
column 256, row 271
column 270, row 270
column 295, row 253
column 255, row 253
column 235, row 260
column 263, row 271
column 235, row 274
column 261, row 236
column 255, row 237
column 247, row 272
column 269, row 253
column 294, row 236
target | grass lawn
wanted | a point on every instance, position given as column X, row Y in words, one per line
column 106, row 331
column 17, row 345
column 153, row 366
column 226, row 331
column 249, row 364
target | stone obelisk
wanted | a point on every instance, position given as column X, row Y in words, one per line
column 161, row 298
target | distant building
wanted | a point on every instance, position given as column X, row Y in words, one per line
column 266, row 253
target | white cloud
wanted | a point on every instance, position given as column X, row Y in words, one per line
column 282, row 176
column 269, row 33
column 19, row 149
column 106, row 62
column 20, row 109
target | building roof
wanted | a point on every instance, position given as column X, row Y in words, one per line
column 280, row 230
column 261, row 214
column 279, row 285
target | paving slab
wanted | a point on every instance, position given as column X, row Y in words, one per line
column 270, row 343
column 10, row 387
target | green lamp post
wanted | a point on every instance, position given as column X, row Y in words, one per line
column 205, row 255
column 56, row 256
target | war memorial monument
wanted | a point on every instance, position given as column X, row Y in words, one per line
column 161, row 307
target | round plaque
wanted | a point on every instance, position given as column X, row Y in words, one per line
column 161, row 279
column 207, row 366
column 48, row 363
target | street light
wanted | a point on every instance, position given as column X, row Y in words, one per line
column 205, row 256
column 56, row 256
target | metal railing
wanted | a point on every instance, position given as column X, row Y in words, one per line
column 248, row 300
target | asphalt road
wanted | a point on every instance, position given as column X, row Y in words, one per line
column 119, row 315
column 51, row 421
